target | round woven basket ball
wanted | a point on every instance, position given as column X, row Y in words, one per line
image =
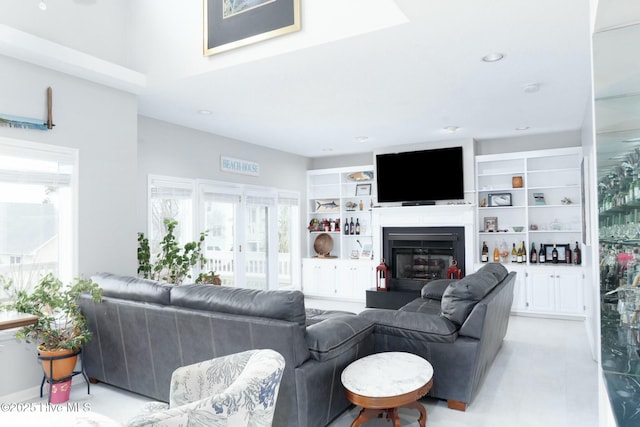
column 323, row 245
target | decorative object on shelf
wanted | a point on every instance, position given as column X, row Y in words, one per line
column 499, row 199
column 566, row 201
column 350, row 206
column 533, row 227
column 483, row 202
column 360, row 176
column 561, row 250
column 538, row 198
column 28, row 122
column 518, row 228
column 366, row 251
column 323, row 244
column 227, row 27
column 314, row 225
column 328, row 205
column 516, row 181
column 382, row 272
column 491, row 223
column 363, row 190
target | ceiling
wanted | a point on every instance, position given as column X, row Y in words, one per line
column 399, row 83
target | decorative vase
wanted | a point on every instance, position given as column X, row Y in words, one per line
column 62, row 368
column 60, row 391
column 516, row 182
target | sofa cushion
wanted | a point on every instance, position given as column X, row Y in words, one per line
column 436, row 288
column 423, row 305
column 316, row 315
column 460, row 297
column 335, row 335
column 133, row 288
column 418, row 325
column 495, row 268
column 273, row 304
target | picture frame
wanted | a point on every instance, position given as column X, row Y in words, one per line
column 499, row 199
column 562, row 252
column 363, row 190
column 538, row 199
column 490, row 223
column 226, row 28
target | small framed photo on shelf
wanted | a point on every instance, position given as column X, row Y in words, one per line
column 366, row 251
column 491, row 223
column 538, row 199
column 363, row 190
column 562, row 252
column 499, row 199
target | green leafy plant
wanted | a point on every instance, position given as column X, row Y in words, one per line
column 61, row 324
column 173, row 264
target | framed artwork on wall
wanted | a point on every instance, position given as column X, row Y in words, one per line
column 231, row 24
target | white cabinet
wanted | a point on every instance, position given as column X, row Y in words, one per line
column 550, row 291
column 335, row 195
column 335, row 278
column 529, row 198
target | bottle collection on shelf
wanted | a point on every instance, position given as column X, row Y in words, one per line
column 351, row 228
column 519, row 254
column 324, row 224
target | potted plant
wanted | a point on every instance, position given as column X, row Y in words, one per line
column 61, row 328
column 173, row 263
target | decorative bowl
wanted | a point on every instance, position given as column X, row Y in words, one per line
column 518, row 228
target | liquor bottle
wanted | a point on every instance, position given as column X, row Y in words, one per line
column 496, row 254
column 542, row 257
column 361, row 205
column 514, row 254
column 485, row 252
column 337, row 225
column 533, row 257
column 524, row 253
column 352, row 227
column 519, row 254
column 357, row 226
column 554, row 254
column 577, row 255
column 567, row 254
column 346, row 226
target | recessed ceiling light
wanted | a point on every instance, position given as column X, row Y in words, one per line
column 42, row 5
column 493, row 57
column 450, row 129
column 531, row 88
column 327, row 149
column 362, row 138
column 204, row 112
column 523, row 128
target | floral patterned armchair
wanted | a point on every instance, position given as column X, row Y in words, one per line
column 236, row 390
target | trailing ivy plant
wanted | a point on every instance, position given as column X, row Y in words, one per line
column 173, row 264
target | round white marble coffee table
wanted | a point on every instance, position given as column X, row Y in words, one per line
column 382, row 383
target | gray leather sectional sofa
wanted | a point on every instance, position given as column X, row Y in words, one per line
column 143, row 330
column 457, row 325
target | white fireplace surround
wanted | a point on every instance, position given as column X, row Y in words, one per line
column 454, row 215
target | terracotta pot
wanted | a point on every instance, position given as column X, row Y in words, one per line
column 62, row 368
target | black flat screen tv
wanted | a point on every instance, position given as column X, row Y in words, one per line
column 420, row 177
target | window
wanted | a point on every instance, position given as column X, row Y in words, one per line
column 253, row 232
column 37, row 194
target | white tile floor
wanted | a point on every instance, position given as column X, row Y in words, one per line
column 543, row 376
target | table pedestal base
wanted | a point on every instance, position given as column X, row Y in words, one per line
column 391, row 414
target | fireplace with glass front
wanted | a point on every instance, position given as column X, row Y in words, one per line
column 415, row 256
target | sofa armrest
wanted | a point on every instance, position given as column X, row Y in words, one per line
column 414, row 325
column 333, row 336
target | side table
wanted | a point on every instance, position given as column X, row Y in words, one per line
column 382, row 383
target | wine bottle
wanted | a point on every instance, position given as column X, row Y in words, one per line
column 554, row 254
column 519, row 254
column 577, row 255
column 514, row 254
column 485, row 252
column 533, row 257
column 524, row 253
column 352, row 227
column 542, row 257
column 567, row 254
column 346, row 226
column 357, row 226
column 496, row 254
